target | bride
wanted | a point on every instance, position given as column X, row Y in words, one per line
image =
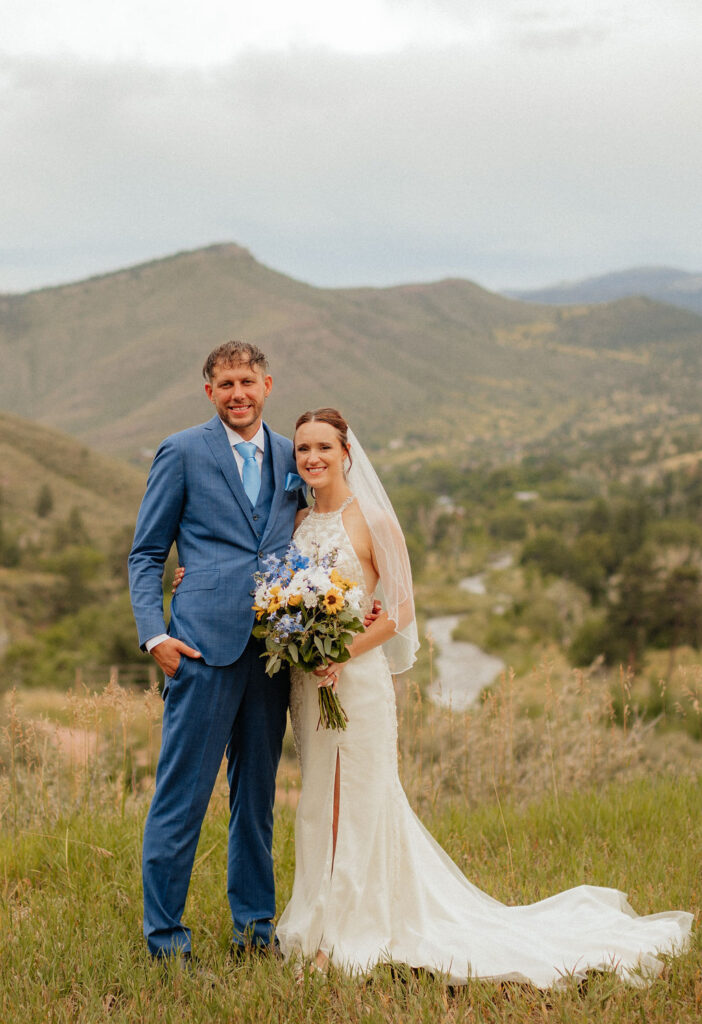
column 371, row 884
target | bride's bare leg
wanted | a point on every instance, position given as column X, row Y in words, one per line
column 335, row 814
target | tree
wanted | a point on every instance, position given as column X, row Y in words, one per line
column 547, row 551
column 78, row 565
column 71, row 531
column 45, row 501
column 632, row 613
column 678, row 618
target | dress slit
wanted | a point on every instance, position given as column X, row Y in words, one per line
column 335, row 811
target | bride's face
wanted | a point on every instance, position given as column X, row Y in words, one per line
column 319, row 454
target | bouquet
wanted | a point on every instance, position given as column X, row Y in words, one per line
column 307, row 613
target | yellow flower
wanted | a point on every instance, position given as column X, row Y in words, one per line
column 274, row 605
column 294, row 600
column 259, row 612
column 333, row 600
column 340, row 581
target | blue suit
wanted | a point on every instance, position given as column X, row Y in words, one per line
column 223, row 702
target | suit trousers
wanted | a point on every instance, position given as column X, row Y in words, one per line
column 209, row 711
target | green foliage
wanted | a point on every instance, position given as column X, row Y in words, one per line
column 594, row 639
column 99, row 635
column 10, row 554
column 508, row 525
column 78, row 567
column 71, row 531
column 548, row 552
column 45, row 501
column 677, row 615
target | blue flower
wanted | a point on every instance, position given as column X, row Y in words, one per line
column 295, row 559
column 288, row 625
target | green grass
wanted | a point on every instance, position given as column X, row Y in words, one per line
column 70, row 914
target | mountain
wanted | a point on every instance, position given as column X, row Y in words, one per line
column 662, row 284
column 116, row 360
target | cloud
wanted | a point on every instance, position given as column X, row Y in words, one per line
column 510, row 164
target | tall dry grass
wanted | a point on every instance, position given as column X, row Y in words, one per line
column 528, row 797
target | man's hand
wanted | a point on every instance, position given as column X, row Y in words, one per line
column 168, row 653
column 373, row 614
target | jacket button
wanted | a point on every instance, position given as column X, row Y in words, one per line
column 255, row 515
column 260, row 554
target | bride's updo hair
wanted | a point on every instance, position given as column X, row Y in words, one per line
column 334, row 418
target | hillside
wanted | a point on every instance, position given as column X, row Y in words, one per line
column 662, row 284
column 106, row 491
column 115, row 360
column 66, row 519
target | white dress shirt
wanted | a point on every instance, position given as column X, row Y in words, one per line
column 259, row 439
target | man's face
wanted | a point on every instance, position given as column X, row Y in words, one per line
column 238, row 393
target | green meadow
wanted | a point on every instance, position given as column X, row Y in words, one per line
column 591, row 807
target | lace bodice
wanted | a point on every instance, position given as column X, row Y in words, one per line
column 321, row 533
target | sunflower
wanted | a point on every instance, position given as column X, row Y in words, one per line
column 333, row 601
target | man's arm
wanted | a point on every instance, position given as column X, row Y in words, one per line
column 156, row 529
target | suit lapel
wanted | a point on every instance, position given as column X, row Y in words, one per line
column 217, row 439
column 280, row 461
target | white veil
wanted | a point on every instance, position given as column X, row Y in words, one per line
column 394, row 587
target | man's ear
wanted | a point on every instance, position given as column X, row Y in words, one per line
column 267, row 384
column 208, row 390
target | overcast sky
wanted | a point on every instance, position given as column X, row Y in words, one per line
column 512, row 142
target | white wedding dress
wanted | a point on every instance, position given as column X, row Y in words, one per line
column 393, row 894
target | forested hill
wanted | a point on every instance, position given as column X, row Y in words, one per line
column 115, row 360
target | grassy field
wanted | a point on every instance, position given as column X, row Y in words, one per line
column 77, row 774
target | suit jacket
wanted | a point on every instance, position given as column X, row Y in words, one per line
column 195, row 497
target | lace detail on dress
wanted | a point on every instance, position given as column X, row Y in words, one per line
column 321, row 533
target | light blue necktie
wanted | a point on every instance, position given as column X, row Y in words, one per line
column 250, row 473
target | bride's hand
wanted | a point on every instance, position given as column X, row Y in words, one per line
column 373, row 614
column 177, row 578
column 329, row 674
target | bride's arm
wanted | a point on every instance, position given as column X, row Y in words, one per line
column 381, row 628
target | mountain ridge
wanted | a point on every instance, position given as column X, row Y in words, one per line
column 115, row 360
column 662, row 284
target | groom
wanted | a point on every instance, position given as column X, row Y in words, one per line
column 218, row 492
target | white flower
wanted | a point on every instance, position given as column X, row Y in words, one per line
column 318, row 578
column 354, row 600
column 296, row 587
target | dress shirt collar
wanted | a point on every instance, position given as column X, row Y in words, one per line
column 259, row 438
